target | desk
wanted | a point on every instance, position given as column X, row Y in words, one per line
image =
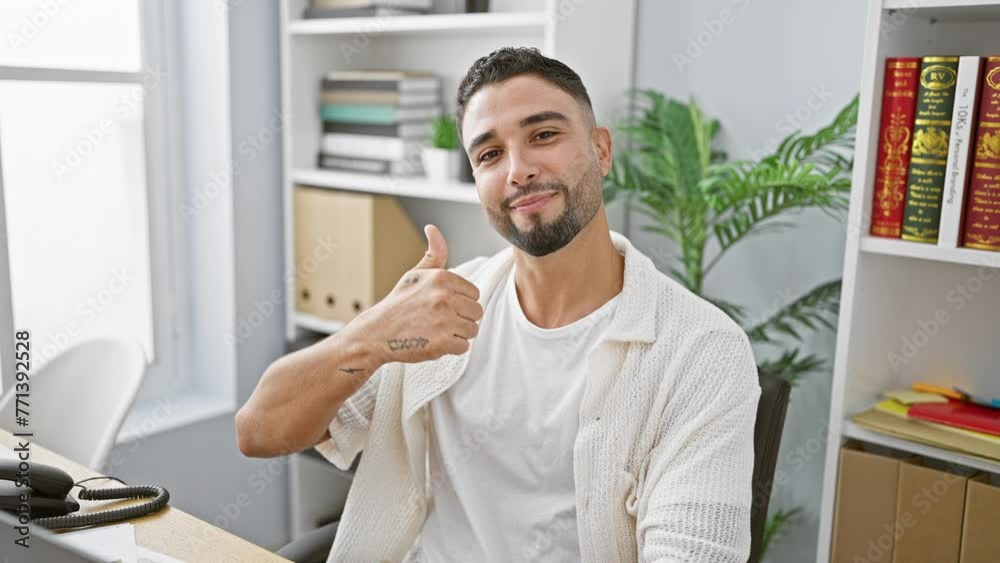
column 170, row 531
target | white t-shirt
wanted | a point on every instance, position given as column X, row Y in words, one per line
column 501, row 441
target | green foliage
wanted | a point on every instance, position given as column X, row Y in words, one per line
column 444, row 132
column 778, row 523
column 706, row 205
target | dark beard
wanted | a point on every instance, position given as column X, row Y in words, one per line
column 581, row 204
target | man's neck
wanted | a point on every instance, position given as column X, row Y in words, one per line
column 576, row 280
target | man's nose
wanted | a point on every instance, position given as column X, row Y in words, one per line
column 522, row 170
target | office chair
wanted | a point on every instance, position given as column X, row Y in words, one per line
column 80, row 398
column 771, row 409
column 767, row 430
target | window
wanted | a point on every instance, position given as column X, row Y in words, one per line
column 85, row 149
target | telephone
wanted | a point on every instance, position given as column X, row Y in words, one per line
column 47, row 489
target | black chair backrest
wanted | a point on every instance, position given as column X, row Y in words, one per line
column 771, row 411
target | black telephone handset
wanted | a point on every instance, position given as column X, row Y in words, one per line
column 46, row 492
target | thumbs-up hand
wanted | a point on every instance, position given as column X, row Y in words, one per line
column 429, row 313
column 437, row 249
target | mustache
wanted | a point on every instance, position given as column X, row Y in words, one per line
column 532, row 188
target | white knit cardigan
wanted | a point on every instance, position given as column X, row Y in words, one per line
column 663, row 456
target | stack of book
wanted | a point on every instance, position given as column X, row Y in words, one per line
column 376, row 121
column 948, row 418
column 365, row 8
column 938, row 175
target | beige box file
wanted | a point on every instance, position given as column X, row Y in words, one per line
column 980, row 536
column 351, row 248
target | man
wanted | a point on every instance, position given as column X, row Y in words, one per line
column 604, row 414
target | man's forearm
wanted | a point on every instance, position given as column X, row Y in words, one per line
column 301, row 393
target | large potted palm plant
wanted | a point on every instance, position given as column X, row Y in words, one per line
column 706, row 205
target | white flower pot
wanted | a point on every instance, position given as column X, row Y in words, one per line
column 442, row 165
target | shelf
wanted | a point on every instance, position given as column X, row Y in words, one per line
column 955, row 10
column 317, row 324
column 852, row 430
column 430, row 23
column 419, row 186
column 924, row 251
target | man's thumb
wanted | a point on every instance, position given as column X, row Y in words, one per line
column 437, row 249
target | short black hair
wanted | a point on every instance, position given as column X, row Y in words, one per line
column 508, row 62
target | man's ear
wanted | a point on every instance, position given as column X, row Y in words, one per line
column 600, row 137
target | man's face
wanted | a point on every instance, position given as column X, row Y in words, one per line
column 528, row 139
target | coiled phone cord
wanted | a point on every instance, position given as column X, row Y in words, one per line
column 159, row 495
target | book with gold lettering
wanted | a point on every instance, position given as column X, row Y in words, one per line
column 982, row 215
column 899, row 106
column 929, row 150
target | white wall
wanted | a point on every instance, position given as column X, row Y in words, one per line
column 200, row 463
column 763, row 61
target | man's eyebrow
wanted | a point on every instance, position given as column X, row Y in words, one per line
column 543, row 116
column 530, row 120
column 482, row 138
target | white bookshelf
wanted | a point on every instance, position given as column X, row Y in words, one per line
column 857, row 432
column 595, row 38
column 893, row 288
column 317, row 324
column 460, row 192
column 967, row 256
column 498, row 23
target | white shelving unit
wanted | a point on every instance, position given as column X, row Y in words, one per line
column 460, row 192
column 595, row 38
column 446, row 44
column 893, row 289
column 423, row 24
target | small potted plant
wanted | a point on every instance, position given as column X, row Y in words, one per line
column 442, row 160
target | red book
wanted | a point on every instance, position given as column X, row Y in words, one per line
column 982, row 212
column 899, row 108
column 959, row 413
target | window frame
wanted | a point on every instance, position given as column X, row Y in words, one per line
column 166, row 374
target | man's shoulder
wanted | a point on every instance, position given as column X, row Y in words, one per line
column 700, row 339
column 689, row 316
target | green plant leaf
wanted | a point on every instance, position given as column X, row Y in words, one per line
column 791, row 367
column 829, row 142
column 735, row 312
column 819, row 306
column 778, row 523
column 747, row 198
column 444, row 132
